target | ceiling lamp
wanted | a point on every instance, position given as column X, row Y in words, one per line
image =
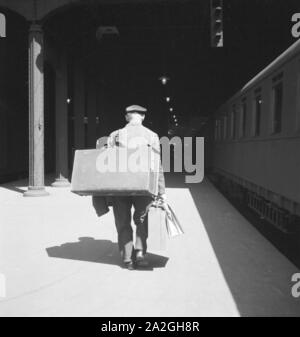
column 164, row 80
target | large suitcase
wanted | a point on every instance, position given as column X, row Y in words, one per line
column 116, row 171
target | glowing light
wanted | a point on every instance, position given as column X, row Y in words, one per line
column 68, row 100
column 164, row 80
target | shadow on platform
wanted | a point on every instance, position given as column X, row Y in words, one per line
column 21, row 185
column 13, row 187
column 256, row 277
column 99, row 251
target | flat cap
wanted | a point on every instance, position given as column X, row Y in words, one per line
column 136, row 108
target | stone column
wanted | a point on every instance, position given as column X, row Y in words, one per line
column 36, row 186
column 61, row 122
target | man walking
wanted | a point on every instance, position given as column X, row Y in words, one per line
column 133, row 135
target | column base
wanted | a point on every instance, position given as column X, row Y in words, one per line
column 36, row 192
column 61, row 183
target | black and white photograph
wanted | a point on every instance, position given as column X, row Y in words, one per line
column 149, row 161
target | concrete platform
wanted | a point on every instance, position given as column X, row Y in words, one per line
column 60, row 259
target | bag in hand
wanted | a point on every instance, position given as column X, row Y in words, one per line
column 157, row 234
column 160, row 225
column 174, row 227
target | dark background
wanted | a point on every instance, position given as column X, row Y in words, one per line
column 173, row 38
column 158, row 38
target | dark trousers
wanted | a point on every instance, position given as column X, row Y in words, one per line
column 122, row 212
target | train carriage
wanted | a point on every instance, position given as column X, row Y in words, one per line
column 257, row 141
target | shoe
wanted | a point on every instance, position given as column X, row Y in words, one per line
column 129, row 265
column 140, row 259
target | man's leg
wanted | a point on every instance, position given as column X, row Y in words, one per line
column 122, row 213
column 141, row 205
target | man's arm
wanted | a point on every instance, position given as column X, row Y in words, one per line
column 161, row 177
column 107, row 141
column 111, row 140
column 161, row 183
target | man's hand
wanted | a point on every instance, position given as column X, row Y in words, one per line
column 162, row 200
column 162, row 197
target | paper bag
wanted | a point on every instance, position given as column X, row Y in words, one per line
column 174, row 227
column 157, row 232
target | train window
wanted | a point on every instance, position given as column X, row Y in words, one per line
column 218, row 130
column 298, row 100
column 257, row 114
column 233, row 122
column 243, row 118
column 228, row 125
column 277, row 107
column 225, row 127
